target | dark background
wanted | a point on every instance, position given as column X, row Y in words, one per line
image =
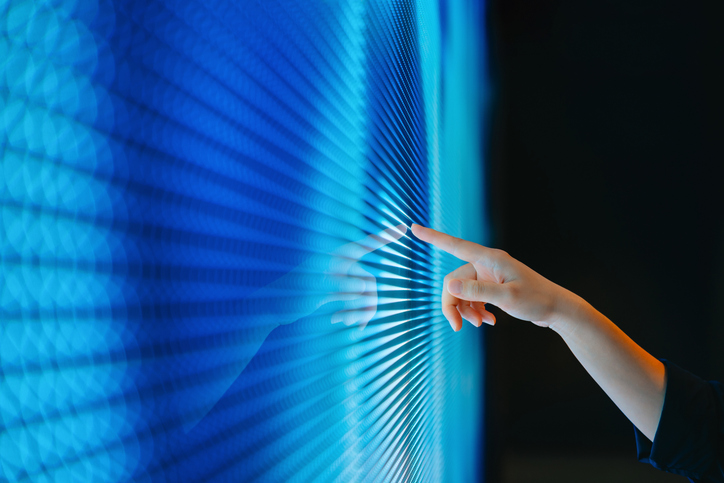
column 605, row 175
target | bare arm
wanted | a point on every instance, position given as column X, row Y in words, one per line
column 633, row 379
column 630, row 376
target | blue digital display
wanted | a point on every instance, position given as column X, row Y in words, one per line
column 205, row 269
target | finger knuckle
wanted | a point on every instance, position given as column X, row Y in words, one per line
column 477, row 290
column 501, row 254
column 514, row 292
column 455, row 246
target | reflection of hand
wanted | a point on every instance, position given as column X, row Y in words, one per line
column 492, row 276
column 348, row 283
column 336, row 278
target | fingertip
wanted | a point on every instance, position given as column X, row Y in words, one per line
column 453, row 317
column 454, row 324
column 470, row 314
column 417, row 229
column 457, row 324
column 489, row 319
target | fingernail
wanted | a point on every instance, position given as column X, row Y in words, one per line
column 455, row 287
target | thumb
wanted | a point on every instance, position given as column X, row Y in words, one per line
column 476, row 291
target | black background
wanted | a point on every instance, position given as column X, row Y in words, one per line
column 605, row 175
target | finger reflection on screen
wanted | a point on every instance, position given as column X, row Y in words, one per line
column 336, row 286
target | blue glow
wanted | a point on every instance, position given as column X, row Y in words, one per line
column 200, row 276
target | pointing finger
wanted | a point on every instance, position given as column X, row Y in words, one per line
column 462, row 249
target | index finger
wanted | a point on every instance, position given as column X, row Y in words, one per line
column 462, row 249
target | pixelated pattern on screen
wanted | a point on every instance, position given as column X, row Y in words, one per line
column 201, row 278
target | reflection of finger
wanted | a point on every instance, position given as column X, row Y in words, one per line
column 462, row 249
column 338, row 286
column 367, row 316
column 361, row 308
column 370, row 243
column 358, row 282
column 360, row 302
column 360, row 316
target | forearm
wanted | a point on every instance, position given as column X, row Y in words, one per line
column 629, row 375
column 632, row 378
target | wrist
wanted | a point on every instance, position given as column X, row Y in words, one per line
column 568, row 313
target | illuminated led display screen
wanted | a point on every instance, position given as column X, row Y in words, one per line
column 205, row 272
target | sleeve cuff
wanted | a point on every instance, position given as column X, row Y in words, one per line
column 686, row 438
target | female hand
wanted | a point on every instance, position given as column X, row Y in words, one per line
column 633, row 379
column 493, row 276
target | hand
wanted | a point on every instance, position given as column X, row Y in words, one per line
column 492, row 276
column 633, row 379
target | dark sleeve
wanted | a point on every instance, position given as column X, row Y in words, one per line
column 689, row 440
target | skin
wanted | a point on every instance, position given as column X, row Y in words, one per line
column 633, row 379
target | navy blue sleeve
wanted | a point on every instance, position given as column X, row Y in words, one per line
column 689, row 440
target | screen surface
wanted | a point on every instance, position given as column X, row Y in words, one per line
column 205, row 270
